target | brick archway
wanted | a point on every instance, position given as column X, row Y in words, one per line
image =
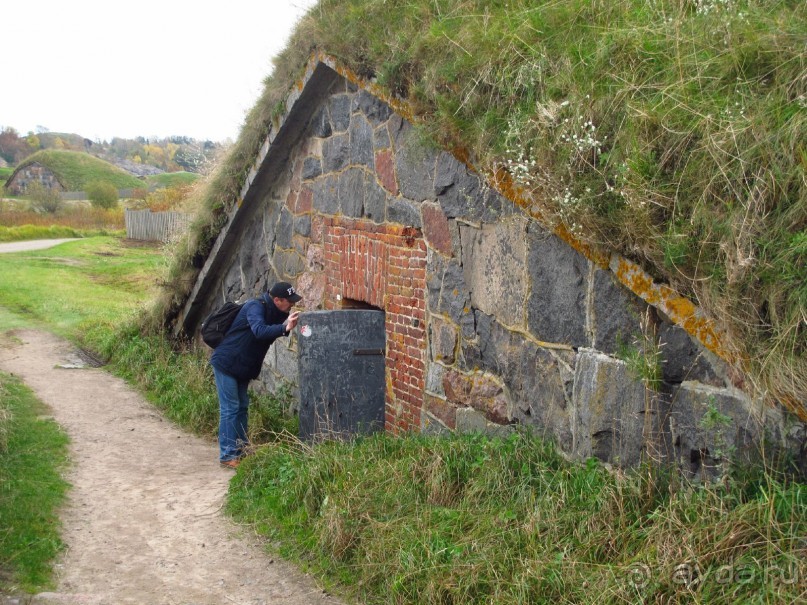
column 385, row 266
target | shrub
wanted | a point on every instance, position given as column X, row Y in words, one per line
column 102, row 194
column 43, row 199
column 140, row 193
column 170, row 198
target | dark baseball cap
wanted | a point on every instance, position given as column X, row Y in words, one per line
column 285, row 290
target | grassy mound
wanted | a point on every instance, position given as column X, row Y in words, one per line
column 75, row 170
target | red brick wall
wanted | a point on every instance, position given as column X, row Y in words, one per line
column 385, row 266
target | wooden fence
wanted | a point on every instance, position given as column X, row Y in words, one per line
column 155, row 226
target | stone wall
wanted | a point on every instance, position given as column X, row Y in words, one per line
column 492, row 321
column 34, row 172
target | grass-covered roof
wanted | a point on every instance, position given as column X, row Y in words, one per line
column 672, row 132
column 75, row 169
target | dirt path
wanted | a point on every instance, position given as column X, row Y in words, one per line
column 143, row 522
column 36, row 244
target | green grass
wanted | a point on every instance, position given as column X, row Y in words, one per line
column 33, row 451
column 467, row 520
column 79, row 287
column 30, row 232
column 75, row 170
column 173, row 179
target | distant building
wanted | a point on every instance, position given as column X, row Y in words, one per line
column 21, row 178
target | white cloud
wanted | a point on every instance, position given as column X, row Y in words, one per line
column 103, row 69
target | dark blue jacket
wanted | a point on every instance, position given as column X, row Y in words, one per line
column 258, row 324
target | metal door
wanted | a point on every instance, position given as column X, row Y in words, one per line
column 341, row 373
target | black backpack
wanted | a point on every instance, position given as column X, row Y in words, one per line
column 215, row 325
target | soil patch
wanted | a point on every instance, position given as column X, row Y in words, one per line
column 143, row 523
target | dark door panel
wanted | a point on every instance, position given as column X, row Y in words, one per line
column 341, row 374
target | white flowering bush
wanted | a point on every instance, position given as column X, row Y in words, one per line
column 707, row 7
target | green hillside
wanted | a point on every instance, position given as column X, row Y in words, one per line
column 173, row 179
column 672, row 132
column 74, row 170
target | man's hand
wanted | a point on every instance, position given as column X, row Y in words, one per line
column 291, row 321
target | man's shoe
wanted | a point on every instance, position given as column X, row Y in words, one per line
column 233, row 464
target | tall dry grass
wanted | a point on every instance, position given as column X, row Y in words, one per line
column 72, row 215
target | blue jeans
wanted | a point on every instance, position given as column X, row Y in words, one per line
column 233, row 415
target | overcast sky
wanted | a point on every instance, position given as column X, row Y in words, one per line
column 103, row 69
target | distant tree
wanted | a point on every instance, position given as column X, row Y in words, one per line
column 43, row 199
column 155, row 155
column 33, row 141
column 102, row 194
column 13, row 148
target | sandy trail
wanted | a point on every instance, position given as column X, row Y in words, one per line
column 28, row 245
column 143, row 522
